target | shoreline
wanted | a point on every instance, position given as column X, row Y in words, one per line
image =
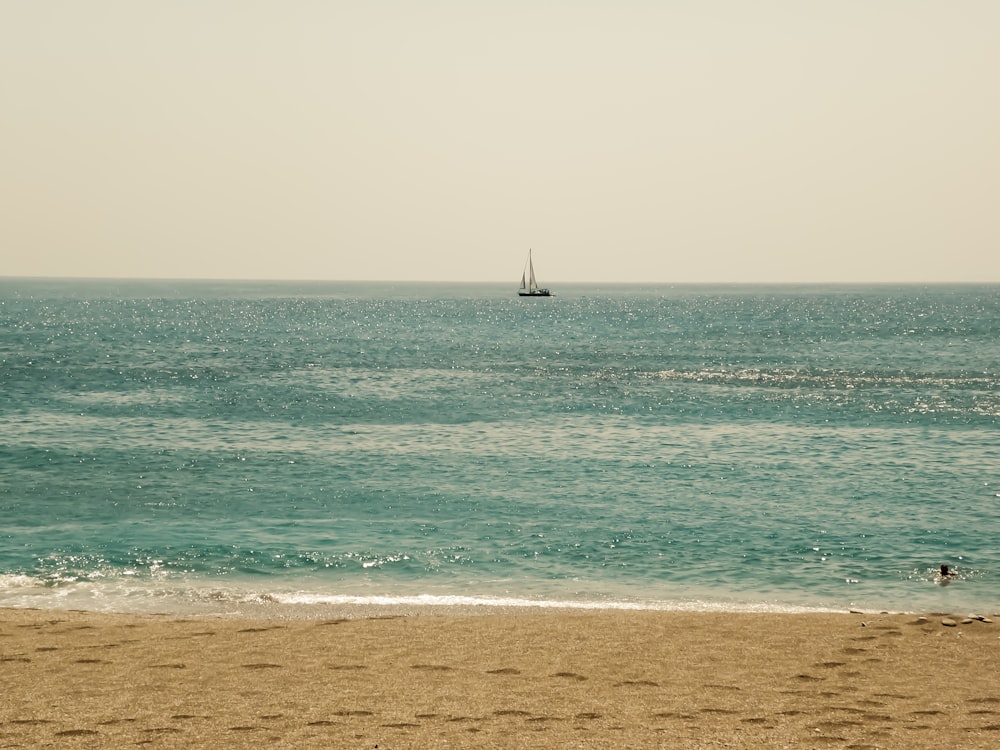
column 214, row 599
column 517, row 678
column 376, row 607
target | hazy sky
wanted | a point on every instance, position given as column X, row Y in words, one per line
column 622, row 140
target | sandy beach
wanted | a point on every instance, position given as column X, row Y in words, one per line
column 508, row 680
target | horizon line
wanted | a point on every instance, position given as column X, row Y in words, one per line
column 438, row 282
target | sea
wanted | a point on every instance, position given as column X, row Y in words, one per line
column 286, row 449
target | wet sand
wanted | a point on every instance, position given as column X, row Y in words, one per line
column 504, row 680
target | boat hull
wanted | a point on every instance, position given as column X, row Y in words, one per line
column 535, row 293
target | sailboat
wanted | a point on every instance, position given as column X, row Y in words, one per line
column 529, row 287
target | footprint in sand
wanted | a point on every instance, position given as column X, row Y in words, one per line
column 637, row 683
column 824, row 740
column 261, row 630
column 878, row 717
column 842, row 724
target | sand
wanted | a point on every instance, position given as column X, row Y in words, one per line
column 505, row 680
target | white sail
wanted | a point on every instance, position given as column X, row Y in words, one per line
column 531, row 288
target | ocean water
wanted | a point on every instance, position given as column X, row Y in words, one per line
column 280, row 448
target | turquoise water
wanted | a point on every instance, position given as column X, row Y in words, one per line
column 214, row 447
